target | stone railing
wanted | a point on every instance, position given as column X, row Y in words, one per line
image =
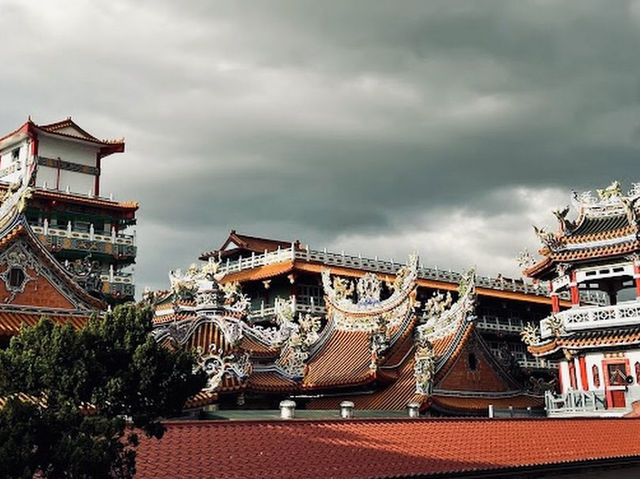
column 575, row 403
column 113, row 237
column 493, row 323
column 592, row 317
column 267, row 311
column 536, row 363
column 387, row 267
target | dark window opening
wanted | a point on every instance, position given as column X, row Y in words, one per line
column 473, row 362
column 15, row 154
column 16, row 277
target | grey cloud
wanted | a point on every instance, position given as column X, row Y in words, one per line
column 349, row 124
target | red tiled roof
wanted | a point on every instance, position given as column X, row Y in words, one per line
column 269, row 381
column 402, row 389
column 257, row 349
column 378, row 448
column 329, row 368
column 246, row 243
column 10, row 322
column 396, row 396
column 590, row 339
column 545, row 266
column 261, row 272
column 475, row 405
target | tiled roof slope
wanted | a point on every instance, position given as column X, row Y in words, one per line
column 596, row 339
column 378, row 448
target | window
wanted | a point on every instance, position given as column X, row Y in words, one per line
column 596, row 376
column 15, row 154
column 16, row 277
column 637, row 368
column 473, row 362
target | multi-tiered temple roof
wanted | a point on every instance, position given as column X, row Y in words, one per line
column 371, row 348
column 606, row 228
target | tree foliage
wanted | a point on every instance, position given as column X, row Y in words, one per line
column 76, row 400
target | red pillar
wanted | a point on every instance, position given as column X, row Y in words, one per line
column 555, row 301
column 573, row 383
column 636, row 270
column 575, row 292
column 583, row 374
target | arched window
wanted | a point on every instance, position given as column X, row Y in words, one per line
column 596, row 376
column 473, row 362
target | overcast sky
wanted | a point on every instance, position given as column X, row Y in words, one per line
column 447, row 127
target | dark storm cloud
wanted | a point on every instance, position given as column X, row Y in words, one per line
column 446, row 127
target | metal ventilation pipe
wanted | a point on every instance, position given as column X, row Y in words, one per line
column 346, row 409
column 413, row 409
column 287, row 409
column 490, row 410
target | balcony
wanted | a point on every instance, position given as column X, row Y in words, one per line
column 579, row 404
column 494, row 323
column 386, row 267
column 267, row 311
column 119, row 285
column 593, row 317
column 113, row 244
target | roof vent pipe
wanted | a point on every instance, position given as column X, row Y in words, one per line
column 346, row 409
column 287, row 409
column 413, row 409
column 490, row 410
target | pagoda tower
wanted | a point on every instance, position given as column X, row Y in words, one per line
column 89, row 234
column 598, row 344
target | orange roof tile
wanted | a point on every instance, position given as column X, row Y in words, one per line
column 329, row 368
column 10, row 322
column 246, row 243
column 269, row 381
column 461, row 404
column 602, row 338
column 378, row 448
column 259, row 273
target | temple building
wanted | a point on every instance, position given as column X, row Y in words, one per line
column 597, row 346
column 274, row 320
column 33, row 283
column 65, row 212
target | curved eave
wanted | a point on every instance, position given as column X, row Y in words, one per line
column 540, row 269
column 129, row 206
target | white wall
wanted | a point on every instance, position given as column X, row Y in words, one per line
column 590, row 360
column 77, row 182
column 6, row 160
column 46, row 175
column 564, row 376
column 67, row 150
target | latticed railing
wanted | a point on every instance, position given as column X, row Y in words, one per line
column 574, row 403
column 591, row 317
column 389, row 267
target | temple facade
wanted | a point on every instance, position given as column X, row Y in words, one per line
column 274, row 319
column 81, row 229
column 597, row 346
column 33, row 283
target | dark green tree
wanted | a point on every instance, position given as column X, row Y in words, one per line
column 76, row 400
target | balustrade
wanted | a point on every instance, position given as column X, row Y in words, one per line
column 574, row 403
column 381, row 266
column 592, row 317
column 115, row 238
